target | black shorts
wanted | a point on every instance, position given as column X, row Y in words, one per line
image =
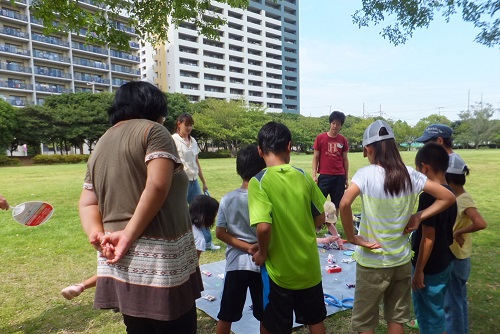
column 333, row 185
column 280, row 304
column 234, row 295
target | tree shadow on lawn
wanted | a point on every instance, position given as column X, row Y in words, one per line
column 65, row 318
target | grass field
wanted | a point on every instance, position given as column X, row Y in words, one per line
column 38, row 262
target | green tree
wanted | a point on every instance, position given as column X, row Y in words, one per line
column 431, row 119
column 149, row 19
column 476, row 128
column 7, row 124
column 34, row 126
column 177, row 104
column 230, row 123
column 79, row 119
column 404, row 133
column 408, row 15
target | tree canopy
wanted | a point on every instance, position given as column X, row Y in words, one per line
column 408, row 15
column 149, row 19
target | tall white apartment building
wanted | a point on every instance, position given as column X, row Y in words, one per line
column 34, row 66
column 256, row 57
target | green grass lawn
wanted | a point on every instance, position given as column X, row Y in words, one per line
column 38, row 262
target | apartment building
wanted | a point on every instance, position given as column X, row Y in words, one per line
column 34, row 66
column 256, row 57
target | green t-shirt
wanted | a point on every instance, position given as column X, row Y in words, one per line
column 287, row 198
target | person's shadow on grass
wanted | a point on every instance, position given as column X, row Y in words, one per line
column 66, row 318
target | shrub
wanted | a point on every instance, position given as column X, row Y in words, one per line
column 214, row 155
column 43, row 159
column 6, row 161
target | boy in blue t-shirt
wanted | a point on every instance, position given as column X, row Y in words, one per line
column 233, row 228
column 286, row 205
column 433, row 259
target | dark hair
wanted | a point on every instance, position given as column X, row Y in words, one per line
column 386, row 154
column 249, row 162
column 337, row 115
column 458, row 179
column 447, row 142
column 203, row 210
column 434, row 155
column 137, row 100
column 274, row 138
column 184, row 117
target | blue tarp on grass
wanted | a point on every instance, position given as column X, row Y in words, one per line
column 334, row 284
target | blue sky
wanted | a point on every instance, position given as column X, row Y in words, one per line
column 343, row 66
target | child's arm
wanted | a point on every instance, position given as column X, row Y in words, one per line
column 426, row 245
column 264, row 236
column 478, row 223
column 346, row 214
column 222, row 235
column 444, row 199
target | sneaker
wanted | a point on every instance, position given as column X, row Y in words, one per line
column 213, row 247
column 72, row 291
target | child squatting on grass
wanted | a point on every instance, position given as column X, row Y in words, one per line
column 286, row 205
column 233, row 228
column 202, row 210
column 468, row 220
column 388, row 191
column 432, row 260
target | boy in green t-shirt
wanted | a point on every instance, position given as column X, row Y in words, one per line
column 287, row 206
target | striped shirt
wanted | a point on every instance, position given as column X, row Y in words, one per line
column 384, row 217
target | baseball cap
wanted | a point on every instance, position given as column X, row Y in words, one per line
column 330, row 216
column 372, row 135
column 456, row 165
column 434, row 131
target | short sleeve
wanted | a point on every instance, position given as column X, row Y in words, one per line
column 259, row 206
column 160, row 144
column 418, row 179
column 87, row 182
column 359, row 180
column 346, row 145
column 221, row 215
column 317, row 143
column 195, row 148
column 317, row 198
column 466, row 202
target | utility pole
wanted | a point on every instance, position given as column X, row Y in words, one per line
column 439, row 110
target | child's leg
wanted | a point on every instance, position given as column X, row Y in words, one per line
column 455, row 303
column 317, row 328
column 73, row 291
column 223, row 327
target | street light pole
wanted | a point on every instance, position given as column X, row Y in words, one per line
column 93, row 86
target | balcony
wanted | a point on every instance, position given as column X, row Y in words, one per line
column 14, row 49
column 50, row 56
column 15, row 67
column 50, row 88
column 17, row 102
column 14, row 32
column 16, row 85
column 89, row 48
column 124, row 69
column 124, row 55
column 87, row 77
column 49, row 39
column 52, row 72
column 13, row 15
column 90, row 63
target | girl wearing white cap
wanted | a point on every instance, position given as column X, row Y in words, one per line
column 388, row 191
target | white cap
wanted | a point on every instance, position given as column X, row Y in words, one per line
column 330, row 216
column 456, row 164
column 372, row 135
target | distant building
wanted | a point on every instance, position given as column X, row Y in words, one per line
column 34, row 66
column 256, row 57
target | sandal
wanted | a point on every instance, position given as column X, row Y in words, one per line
column 412, row 324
